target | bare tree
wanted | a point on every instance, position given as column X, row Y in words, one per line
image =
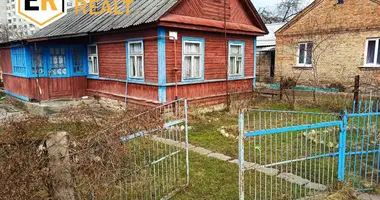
column 12, row 32
column 268, row 16
column 287, row 9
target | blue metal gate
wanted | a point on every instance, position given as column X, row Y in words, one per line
column 290, row 155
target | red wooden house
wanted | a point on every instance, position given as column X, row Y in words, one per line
column 162, row 50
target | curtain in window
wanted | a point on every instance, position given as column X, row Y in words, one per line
column 192, row 48
column 135, row 48
column 301, row 59
column 309, row 53
column 187, row 67
column 197, row 66
column 371, row 52
column 235, row 49
column 378, row 53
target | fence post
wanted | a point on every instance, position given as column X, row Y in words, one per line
column 281, row 89
column 356, row 89
column 342, row 146
column 241, row 155
column 187, row 145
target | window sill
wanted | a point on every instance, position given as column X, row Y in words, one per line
column 135, row 80
column 303, row 66
column 232, row 77
column 371, row 66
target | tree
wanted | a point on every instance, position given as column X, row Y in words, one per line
column 8, row 33
column 287, row 9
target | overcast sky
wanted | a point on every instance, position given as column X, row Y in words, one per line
column 271, row 3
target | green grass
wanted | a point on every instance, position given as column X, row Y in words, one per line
column 210, row 179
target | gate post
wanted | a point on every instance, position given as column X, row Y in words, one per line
column 241, row 155
column 342, row 146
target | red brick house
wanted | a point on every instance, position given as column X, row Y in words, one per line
column 162, row 50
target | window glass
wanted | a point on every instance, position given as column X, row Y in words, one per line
column 371, row 52
column 309, row 53
column 378, row 52
column 93, row 67
column 136, row 59
column 302, row 53
column 58, row 61
column 37, row 61
column 192, row 60
column 78, row 66
column 235, row 60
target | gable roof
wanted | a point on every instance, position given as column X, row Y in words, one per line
column 305, row 11
column 141, row 12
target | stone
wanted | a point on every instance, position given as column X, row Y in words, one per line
column 219, row 156
column 201, row 150
column 316, row 186
column 268, row 171
column 293, row 179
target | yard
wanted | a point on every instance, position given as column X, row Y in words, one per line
column 210, row 178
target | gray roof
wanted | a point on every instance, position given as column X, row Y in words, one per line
column 270, row 39
column 141, row 12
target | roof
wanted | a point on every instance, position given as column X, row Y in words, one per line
column 270, row 39
column 141, row 12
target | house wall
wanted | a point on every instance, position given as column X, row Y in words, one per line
column 5, row 60
column 113, row 67
column 340, row 32
column 263, row 66
column 213, row 84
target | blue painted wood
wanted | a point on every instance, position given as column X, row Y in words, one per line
column 161, row 32
column 16, row 95
column 202, row 41
column 293, row 128
column 19, row 62
column 242, row 43
column 342, row 146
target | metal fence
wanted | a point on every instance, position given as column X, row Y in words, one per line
column 156, row 161
column 291, row 155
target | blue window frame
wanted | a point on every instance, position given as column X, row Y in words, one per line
column 135, row 60
column 78, row 60
column 19, row 67
column 236, row 50
column 36, row 61
column 193, row 53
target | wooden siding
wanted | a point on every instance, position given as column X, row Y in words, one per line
column 117, row 89
column 112, row 56
column 208, row 90
column 214, row 54
column 237, row 10
column 5, row 61
column 29, row 88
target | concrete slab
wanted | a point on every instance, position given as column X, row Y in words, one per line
column 293, row 179
column 201, row 150
column 268, row 171
column 219, row 156
column 365, row 196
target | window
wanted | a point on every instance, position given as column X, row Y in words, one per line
column 93, row 64
column 305, row 54
column 58, row 61
column 236, row 58
column 192, row 59
column 37, row 60
column 372, row 55
column 136, row 59
column 78, row 64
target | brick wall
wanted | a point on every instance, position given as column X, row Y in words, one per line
column 339, row 33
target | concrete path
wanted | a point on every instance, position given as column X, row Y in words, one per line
column 291, row 178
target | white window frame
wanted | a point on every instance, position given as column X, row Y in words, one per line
column 91, row 57
column 136, row 55
column 306, row 55
column 192, row 55
column 374, row 64
column 236, row 56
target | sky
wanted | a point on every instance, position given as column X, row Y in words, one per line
column 272, row 3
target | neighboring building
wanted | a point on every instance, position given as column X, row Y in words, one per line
column 136, row 56
column 331, row 41
column 266, row 51
column 3, row 11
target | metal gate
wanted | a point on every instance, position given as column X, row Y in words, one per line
column 156, row 164
column 290, row 155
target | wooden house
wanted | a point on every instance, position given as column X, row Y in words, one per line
column 160, row 51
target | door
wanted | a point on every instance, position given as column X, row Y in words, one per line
column 59, row 79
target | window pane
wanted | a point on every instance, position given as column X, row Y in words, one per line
column 301, row 54
column 92, row 50
column 139, row 66
column 187, row 66
column 232, row 65
column 197, row 67
column 236, row 49
column 96, row 68
column 192, row 48
column 371, row 52
column 378, row 53
column 238, row 65
column 133, row 66
column 309, row 50
column 135, row 48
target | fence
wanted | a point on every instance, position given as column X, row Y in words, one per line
column 158, row 163
column 290, row 155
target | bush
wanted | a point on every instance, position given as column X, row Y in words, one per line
column 288, row 83
column 338, row 86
